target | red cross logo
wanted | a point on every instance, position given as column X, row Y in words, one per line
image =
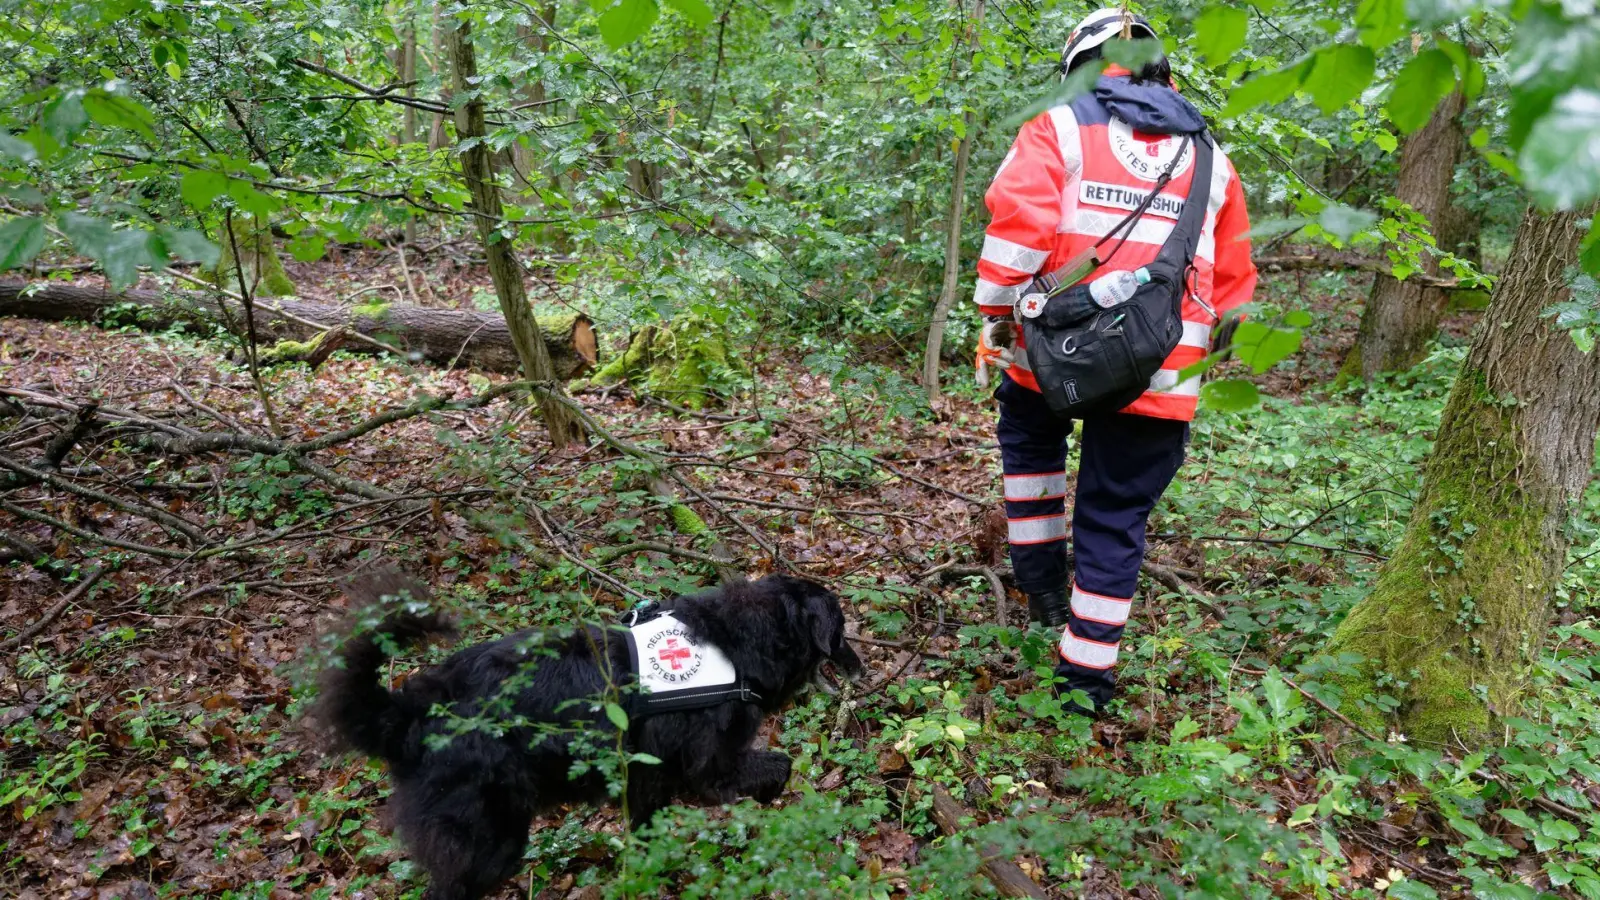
column 674, row 654
column 1152, row 142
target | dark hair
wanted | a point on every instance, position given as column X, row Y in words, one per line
column 1159, row 71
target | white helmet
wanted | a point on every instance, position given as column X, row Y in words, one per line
column 1097, row 28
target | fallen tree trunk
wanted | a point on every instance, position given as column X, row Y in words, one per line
column 447, row 337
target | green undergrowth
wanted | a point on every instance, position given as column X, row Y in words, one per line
column 1216, row 775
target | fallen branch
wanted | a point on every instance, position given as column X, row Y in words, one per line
column 610, row 554
column 54, row 612
column 1325, row 259
column 1008, row 879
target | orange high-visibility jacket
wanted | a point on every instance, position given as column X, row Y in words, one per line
column 1072, row 174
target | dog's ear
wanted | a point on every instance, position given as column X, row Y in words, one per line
column 827, row 620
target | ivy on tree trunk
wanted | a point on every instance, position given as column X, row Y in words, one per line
column 1456, row 619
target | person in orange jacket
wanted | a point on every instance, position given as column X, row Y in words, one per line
column 1072, row 174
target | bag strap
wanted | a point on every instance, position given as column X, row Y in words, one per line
column 1075, row 268
column 1177, row 252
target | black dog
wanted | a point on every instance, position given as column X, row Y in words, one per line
column 465, row 796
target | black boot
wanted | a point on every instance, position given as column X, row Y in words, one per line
column 1100, row 686
column 1050, row 610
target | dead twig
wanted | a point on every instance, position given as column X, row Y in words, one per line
column 1007, row 877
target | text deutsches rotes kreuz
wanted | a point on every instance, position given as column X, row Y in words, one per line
column 671, row 656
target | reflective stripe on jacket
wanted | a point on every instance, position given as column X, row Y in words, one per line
column 1072, row 174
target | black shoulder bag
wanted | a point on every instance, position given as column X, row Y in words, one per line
column 1090, row 360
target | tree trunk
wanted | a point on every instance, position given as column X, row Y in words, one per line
column 263, row 271
column 1458, row 614
column 477, row 170
column 446, row 337
column 1401, row 317
column 408, row 74
column 436, row 135
column 535, row 37
column 952, row 242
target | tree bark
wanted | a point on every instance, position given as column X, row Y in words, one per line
column 1459, row 612
column 446, row 337
column 537, row 38
column 952, row 243
column 1401, row 317
column 408, row 74
column 436, row 133
column 477, row 170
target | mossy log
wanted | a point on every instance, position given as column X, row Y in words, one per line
column 676, row 363
column 1458, row 614
column 446, row 337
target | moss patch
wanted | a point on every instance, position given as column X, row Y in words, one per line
column 370, row 310
column 1445, row 630
column 679, row 363
column 262, row 268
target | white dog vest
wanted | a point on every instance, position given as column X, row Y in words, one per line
column 678, row 673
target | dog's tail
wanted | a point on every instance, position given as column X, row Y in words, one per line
column 353, row 705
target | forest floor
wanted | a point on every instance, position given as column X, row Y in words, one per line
column 150, row 734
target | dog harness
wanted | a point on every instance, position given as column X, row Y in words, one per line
column 675, row 672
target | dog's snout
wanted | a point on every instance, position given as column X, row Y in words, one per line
column 847, row 661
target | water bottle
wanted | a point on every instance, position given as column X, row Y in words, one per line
column 1117, row 287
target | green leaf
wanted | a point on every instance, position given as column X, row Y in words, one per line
column 1468, row 70
column 1261, row 346
column 1406, row 889
column 119, row 251
column 1419, row 87
column 1339, row 74
column 1519, row 818
column 117, row 111
column 1302, row 814
column 1230, row 395
column 199, row 187
column 1548, row 57
column 1381, row 22
column 1297, row 318
column 645, row 759
column 1385, row 141
column 1078, row 83
column 251, row 200
column 1219, row 32
column 1343, row 222
column 64, row 117
column 21, row 239
column 1281, row 698
column 626, row 21
column 16, row 148
column 1561, row 159
column 186, row 243
column 1589, row 250
column 617, row 716
column 1266, row 89
column 1134, row 54
column 696, row 11
column 1184, row 728
column 1560, row 830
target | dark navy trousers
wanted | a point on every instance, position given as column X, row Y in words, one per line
column 1126, row 462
